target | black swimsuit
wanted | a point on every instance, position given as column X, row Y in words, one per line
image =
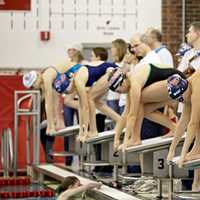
column 160, row 74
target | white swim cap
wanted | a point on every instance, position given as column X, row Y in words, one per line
column 77, row 46
column 29, row 78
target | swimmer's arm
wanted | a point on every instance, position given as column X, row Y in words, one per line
column 181, row 126
column 69, row 100
column 71, row 192
column 135, row 97
column 122, row 122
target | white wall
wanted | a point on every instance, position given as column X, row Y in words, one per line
column 71, row 21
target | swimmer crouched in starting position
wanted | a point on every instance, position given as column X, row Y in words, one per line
column 143, row 99
column 77, row 79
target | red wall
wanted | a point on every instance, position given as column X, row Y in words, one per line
column 8, row 84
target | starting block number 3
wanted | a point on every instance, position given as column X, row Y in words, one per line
column 160, row 166
column 161, row 163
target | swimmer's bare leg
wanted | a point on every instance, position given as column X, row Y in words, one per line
column 58, row 110
column 180, row 130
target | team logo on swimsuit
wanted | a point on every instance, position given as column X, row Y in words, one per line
column 59, row 83
column 176, row 86
column 116, row 79
column 174, row 80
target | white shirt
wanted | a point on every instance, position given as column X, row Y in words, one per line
column 184, row 64
column 165, row 56
column 150, row 57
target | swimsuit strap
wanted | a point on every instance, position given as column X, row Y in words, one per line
column 72, row 70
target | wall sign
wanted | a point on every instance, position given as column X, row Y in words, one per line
column 15, row 4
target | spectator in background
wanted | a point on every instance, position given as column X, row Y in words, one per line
column 184, row 47
column 191, row 59
column 73, row 51
column 75, row 55
column 46, row 140
column 189, row 53
column 143, row 51
column 118, row 51
column 154, row 40
column 130, row 59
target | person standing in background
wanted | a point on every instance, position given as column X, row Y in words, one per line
column 118, row 51
column 154, row 40
column 46, row 140
column 131, row 60
column 74, row 55
column 191, row 59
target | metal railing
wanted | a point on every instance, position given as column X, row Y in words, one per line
column 6, row 151
column 33, row 110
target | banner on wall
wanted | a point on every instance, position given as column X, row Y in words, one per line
column 15, row 4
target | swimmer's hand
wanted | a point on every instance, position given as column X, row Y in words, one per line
column 94, row 185
column 129, row 58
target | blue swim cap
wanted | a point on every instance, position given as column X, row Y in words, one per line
column 61, row 83
column 176, row 86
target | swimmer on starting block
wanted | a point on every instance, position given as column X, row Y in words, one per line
column 146, row 93
column 74, row 79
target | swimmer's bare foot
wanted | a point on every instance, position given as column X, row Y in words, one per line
column 195, row 188
column 180, row 162
column 50, row 131
column 168, row 135
column 116, row 145
column 130, row 143
column 85, row 137
column 91, row 135
column 80, row 136
column 60, row 125
column 170, row 156
column 192, row 156
column 122, row 147
column 194, row 153
column 133, row 143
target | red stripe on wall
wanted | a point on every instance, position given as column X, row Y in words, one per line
column 15, row 4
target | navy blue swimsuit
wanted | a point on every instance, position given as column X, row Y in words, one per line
column 62, row 80
column 95, row 73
